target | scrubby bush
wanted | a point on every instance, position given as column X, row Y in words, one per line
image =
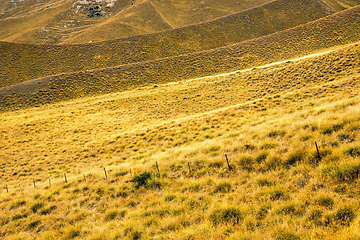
column 141, row 179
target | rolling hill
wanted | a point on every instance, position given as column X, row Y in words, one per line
column 237, row 120
column 56, row 21
column 337, row 29
column 266, row 120
column 18, row 65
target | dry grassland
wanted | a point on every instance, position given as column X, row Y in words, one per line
column 17, row 61
column 234, row 28
column 337, row 29
column 266, row 120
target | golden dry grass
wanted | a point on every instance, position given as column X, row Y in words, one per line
column 18, row 65
column 47, row 22
column 336, row 29
column 266, row 120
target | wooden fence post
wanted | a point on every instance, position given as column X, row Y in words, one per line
column 157, row 166
column 317, row 149
column 65, row 177
column 49, row 182
column 227, row 161
column 7, row 189
column 105, row 173
column 84, row 178
column 189, row 167
column 34, row 182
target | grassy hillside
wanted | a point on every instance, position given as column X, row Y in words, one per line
column 141, row 19
column 266, row 120
column 340, row 5
column 150, row 17
column 179, row 13
column 15, row 28
column 18, row 65
column 341, row 28
column 131, row 15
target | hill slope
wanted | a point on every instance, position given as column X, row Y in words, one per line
column 334, row 30
column 140, row 19
column 78, row 16
column 18, row 65
column 267, row 122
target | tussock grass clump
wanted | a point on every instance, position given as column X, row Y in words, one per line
column 278, row 193
column 18, row 204
column 347, row 171
column 325, row 201
column 295, row 157
column 141, row 179
column 113, row 214
column 353, row 151
column 286, row 234
column 36, row 206
column 224, row 187
column 228, row 215
column 345, row 215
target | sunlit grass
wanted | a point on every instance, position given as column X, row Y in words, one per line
column 278, row 188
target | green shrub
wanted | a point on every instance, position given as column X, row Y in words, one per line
column 141, row 179
column 227, row 215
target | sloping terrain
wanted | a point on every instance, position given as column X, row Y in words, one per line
column 140, row 19
column 340, row 5
column 175, row 13
column 18, row 65
column 79, row 16
column 334, row 30
column 243, row 127
column 266, row 120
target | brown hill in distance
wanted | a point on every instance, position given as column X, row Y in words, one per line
column 148, row 17
column 340, row 5
column 22, row 62
column 337, row 29
column 54, row 21
column 142, row 18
